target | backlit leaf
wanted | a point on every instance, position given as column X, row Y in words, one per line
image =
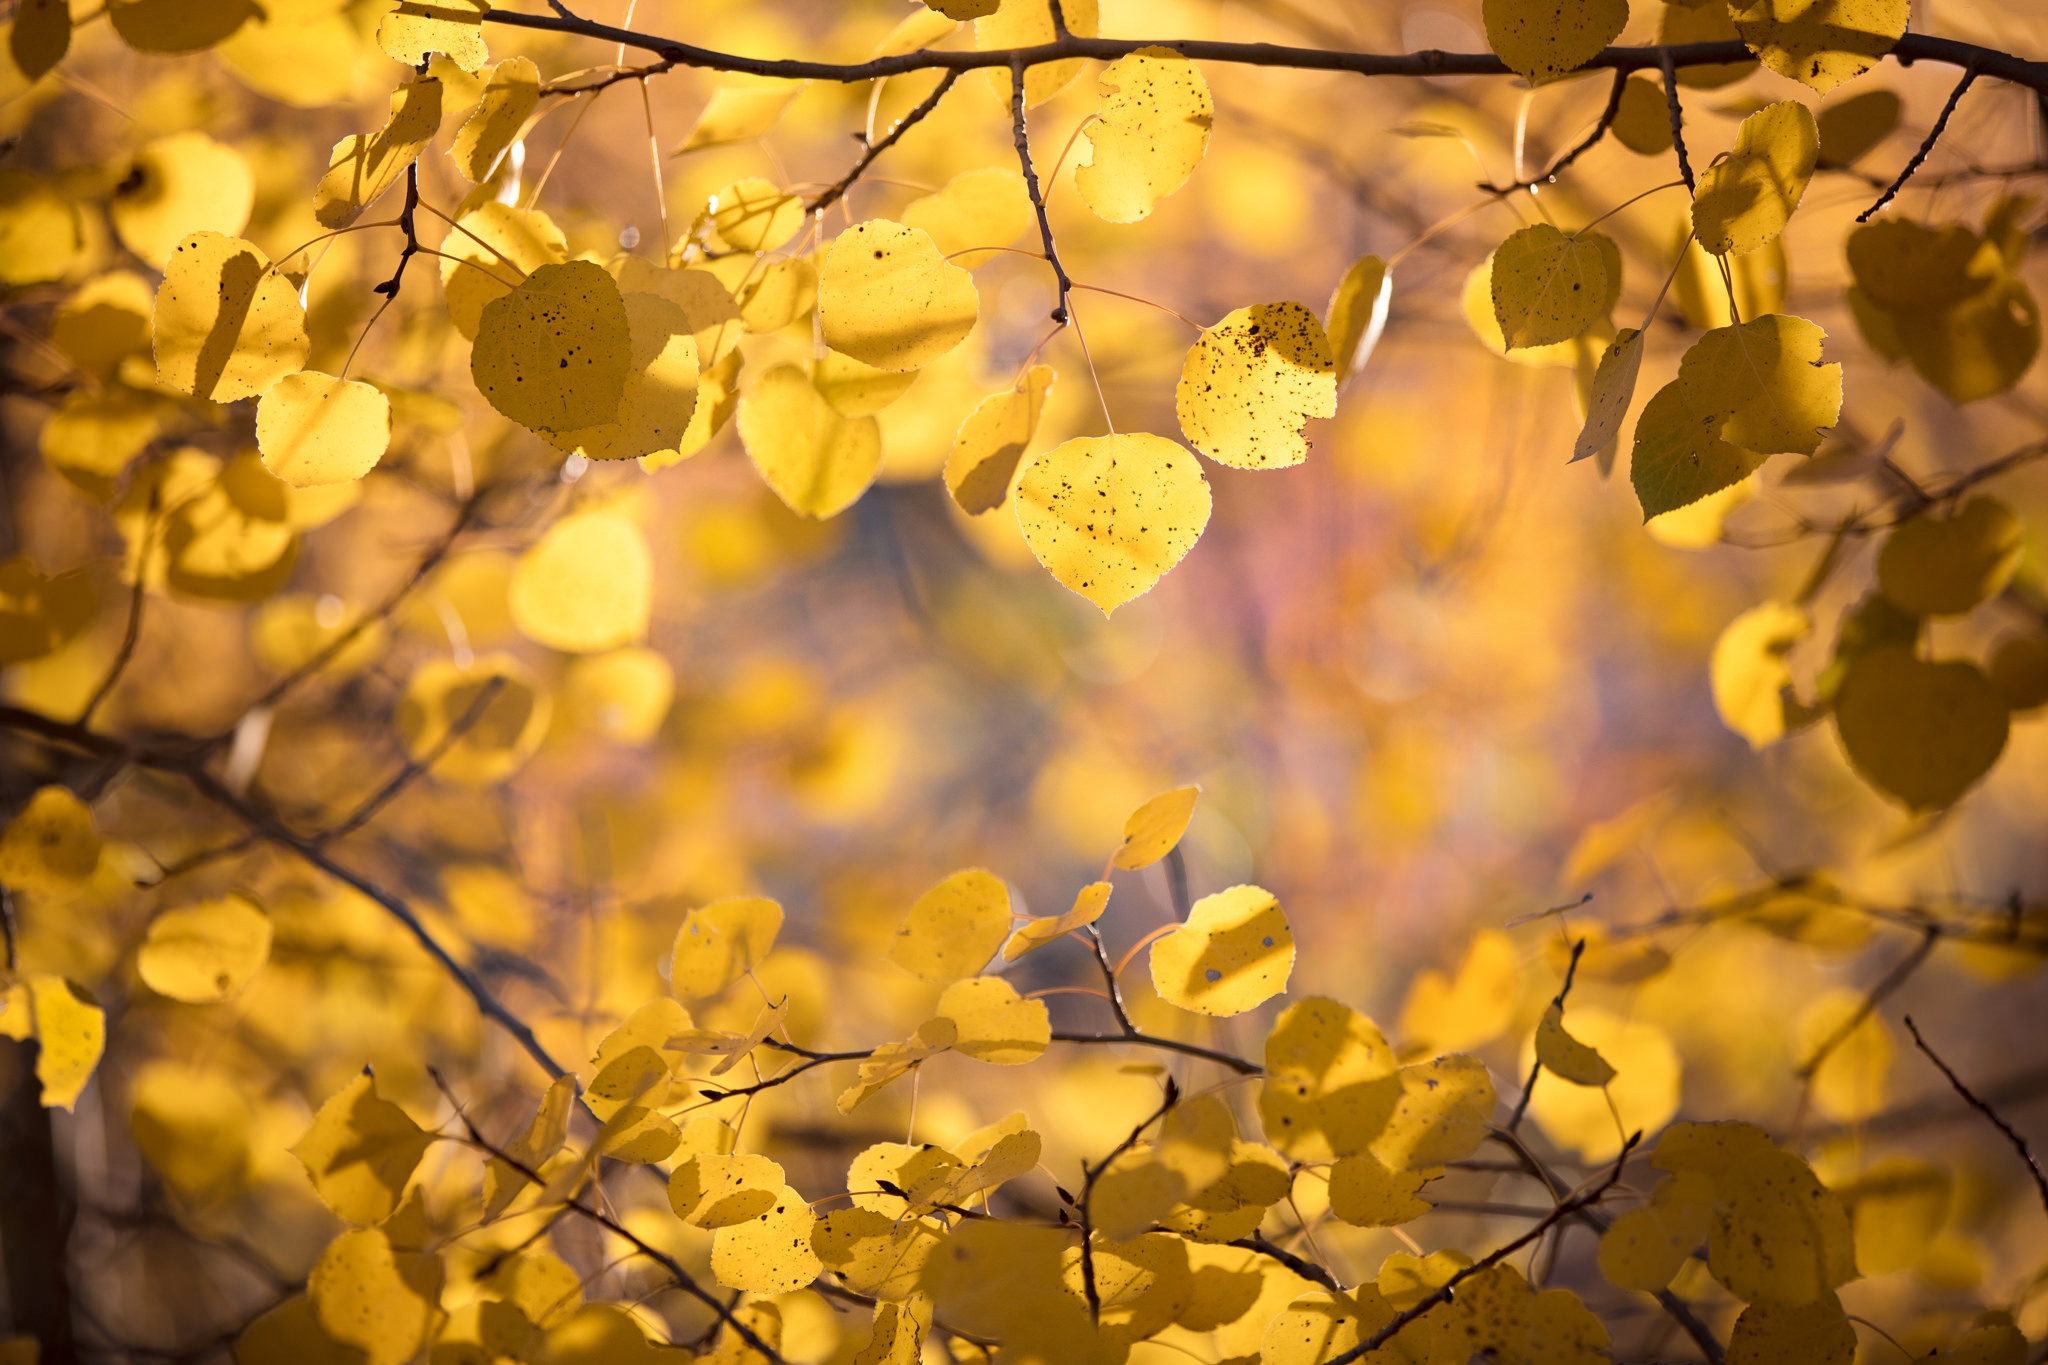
column 365, row 165
column 1108, row 515
column 1148, row 136
column 226, row 325
column 1820, row 42
column 586, row 586
column 1921, row 732
column 205, row 952
column 1565, row 1056
column 1749, row 674
column 315, row 429
column 1549, row 287
column 996, row 1025
column 888, row 298
column 553, row 354
column 1154, row 829
column 370, row 1295
column 1034, row 934
column 1745, row 199
column 1944, row 566
column 1614, row 388
column 1357, row 315
column 360, row 1152
column 993, row 439
column 954, row 928
column 511, row 94
column 1542, row 41
column 1234, row 952
column 1252, row 381
column 68, row 1026
column 985, row 207
column 721, row 942
column 770, row 1253
column 179, row 185
column 817, row 461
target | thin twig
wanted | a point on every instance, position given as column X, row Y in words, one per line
column 1536, row 1068
column 1926, row 148
column 408, row 224
column 1021, row 135
column 1591, row 139
column 1669, row 66
column 2012, row 1135
column 414, row 767
column 1308, row 1270
column 837, row 191
column 1090, row 1175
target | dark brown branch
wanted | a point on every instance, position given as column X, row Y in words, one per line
column 1129, row 1032
column 407, row 223
column 1091, row 1174
column 1668, row 64
column 414, row 767
column 903, row 125
column 1926, row 148
column 1571, row 970
column 1021, row 135
column 1585, row 145
column 2012, row 1134
column 1308, row 1270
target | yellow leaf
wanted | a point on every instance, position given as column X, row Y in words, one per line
column 769, row 1253
column 1851, row 1083
column 639, row 1073
column 369, row 1295
column 587, row 586
column 51, row 844
column 1368, row 1195
column 898, row 1337
column 622, row 694
column 764, row 1320
column 778, row 293
column 1142, row 1283
column 166, row 26
column 721, row 942
column 1921, row 732
column 104, row 321
column 544, row 1136
column 1541, row 41
column 315, row 429
column 2019, row 669
column 1643, row 122
column 739, row 113
column 1680, row 24
column 1750, row 677
column 290, row 1334
column 41, row 234
column 1645, row 1246
column 1028, row 23
column 753, row 215
column 1896, row 1207
column 553, row 353
column 955, row 928
column 1330, row 1081
column 1817, row 1333
column 855, row 389
column 1851, row 128
column 985, row 207
column 69, row 1028
column 1441, row 1115
column 39, row 615
column 1443, row 1014
column 1036, row 933
column 996, row 1024
column 226, row 325
column 502, row 732
column 1820, row 42
column 491, row 250
column 659, row 401
column 924, row 27
column 1644, row 1092
column 365, row 165
column 360, row 1151
column 888, row 298
column 511, row 94
column 1678, row 460
column 1148, row 135
column 1565, row 1056
column 1614, row 388
column 872, row 1252
column 1777, row 1236
column 1548, row 287
column 960, row 11
column 40, row 36
column 1154, row 829
column 1745, row 199
column 990, row 443
column 637, row 1136
column 1252, row 381
column 1358, row 314
column 452, row 27
column 193, row 1126
column 817, row 461
column 1945, row 566
column 179, row 185
column 1235, row 952
column 205, row 952
column 1108, row 515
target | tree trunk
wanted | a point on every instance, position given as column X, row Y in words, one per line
column 34, row 1224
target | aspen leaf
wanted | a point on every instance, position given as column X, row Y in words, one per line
column 40, row 36
column 923, row 28
column 888, row 298
column 166, row 26
column 1706, row 23
column 226, row 325
column 372, row 1296
column 739, row 113
column 290, row 1334
column 502, row 732
column 1036, row 933
column 817, row 461
column 105, row 320
column 1142, row 1283
column 1777, row 1235
column 622, row 694
column 1921, row 732
column 1368, row 1195
column 290, row 631
column 721, row 942
column 1851, row 1083
column 39, row 614
column 1548, row 287
column 587, row 586
column 855, row 389
column 1751, row 680
column 1614, row 388
column 763, row 1319
column 953, row 929
column 1850, row 128
column 1441, row 1115
column 1645, row 1246
column 874, row 1253
column 659, row 400
column 454, row 28
column 491, row 250
column 960, row 11
column 1745, row 199
column 205, row 952
column 1944, row 566
column 637, row 1136
column 1820, row 43
column 1644, row 1092
column 1565, row 1056
column 990, row 443
column 1154, row 829
column 1252, row 381
column 315, row 429
column 897, row 1337
column 1678, row 460
column 769, row 1253
column 985, row 207
column 1108, row 515
column 1816, row 1333
column 92, row 439
column 631, row 1076
column 1896, row 1206
column 996, row 1025
column 1329, row 1082
column 511, row 94
column 778, row 294
column 1148, row 136
column 1028, row 23
column 41, row 233
column 1357, row 315
column 1542, row 41
column 544, row 1136
column 179, row 185
column 51, row 844
column 753, row 215
column 360, row 1152
column 70, row 1030
column 1449, row 1014
column 1906, row 266
column 1643, row 122
column 365, row 165
column 1234, row 953
column 553, row 354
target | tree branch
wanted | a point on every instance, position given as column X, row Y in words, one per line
column 1021, row 135
column 2012, row 1134
column 1926, row 148
column 1587, row 144
column 903, row 125
column 1668, row 64
column 1536, row 1068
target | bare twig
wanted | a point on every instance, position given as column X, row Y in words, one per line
column 408, row 224
column 132, row 632
column 1669, row 65
column 2012, row 1135
column 1020, row 133
column 1587, row 144
column 1308, row 1270
column 1926, row 148
column 837, row 191
column 1536, row 1068
column 1091, row 1174
column 414, row 767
